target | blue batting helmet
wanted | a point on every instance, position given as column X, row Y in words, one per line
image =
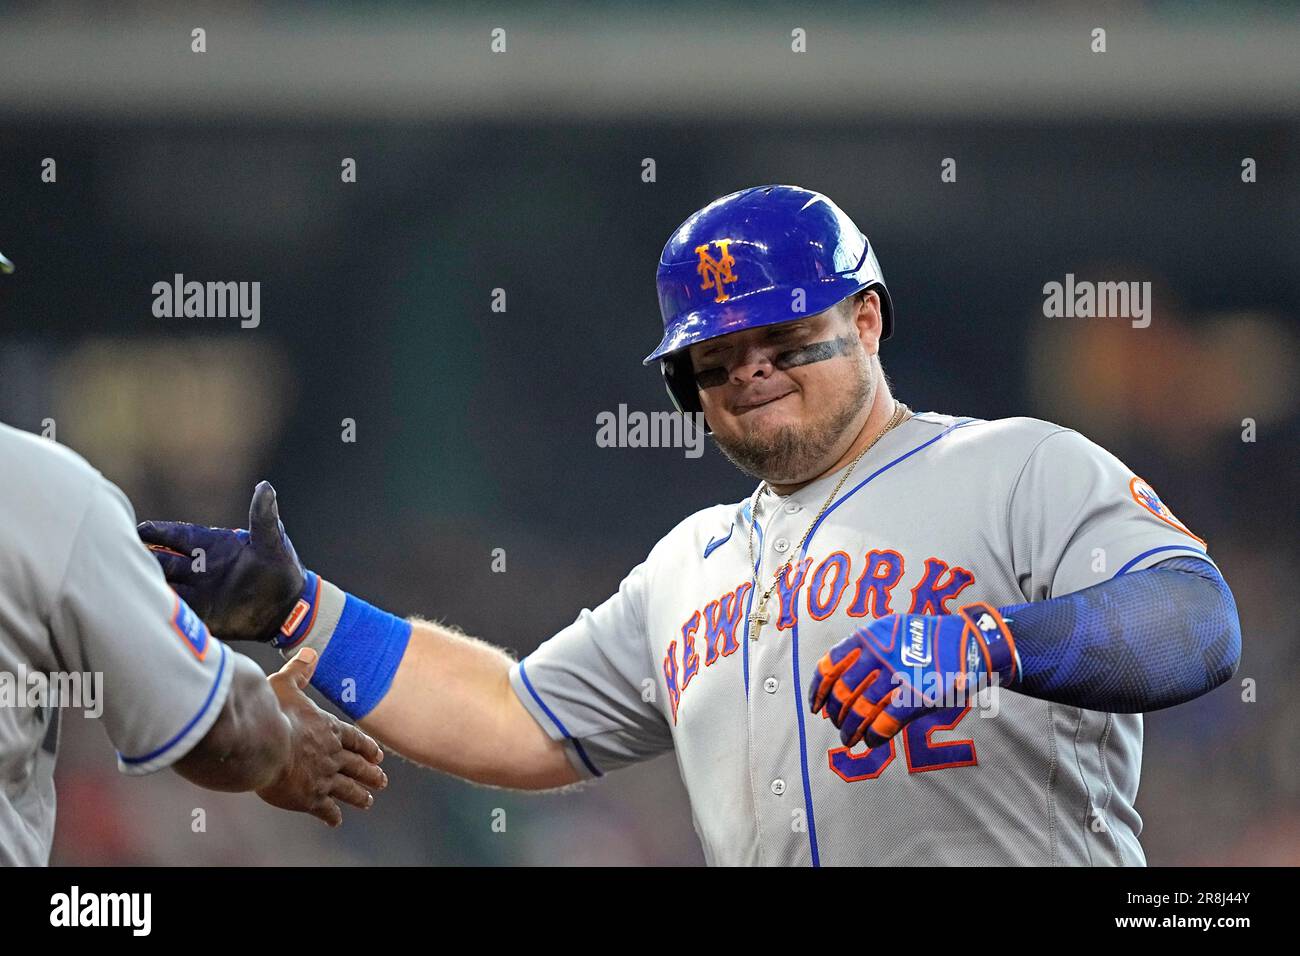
column 757, row 257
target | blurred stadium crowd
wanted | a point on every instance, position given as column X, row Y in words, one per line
column 476, row 429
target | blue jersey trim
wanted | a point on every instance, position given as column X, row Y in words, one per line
column 749, row 603
column 212, row 692
column 716, row 543
column 799, row 701
column 1185, row 548
column 577, row 744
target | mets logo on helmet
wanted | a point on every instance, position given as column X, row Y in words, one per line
column 1146, row 496
column 716, row 273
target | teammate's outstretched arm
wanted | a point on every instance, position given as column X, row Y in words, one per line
column 271, row 738
column 433, row 694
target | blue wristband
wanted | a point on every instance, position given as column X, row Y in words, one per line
column 357, row 668
column 360, row 646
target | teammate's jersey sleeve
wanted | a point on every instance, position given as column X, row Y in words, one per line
column 1079, row 516
column 165, row 678
column 588, row 685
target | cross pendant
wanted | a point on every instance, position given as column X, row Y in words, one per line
column 757, row 620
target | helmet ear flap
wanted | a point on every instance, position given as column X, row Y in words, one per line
column 679, row 376
column 886, row 309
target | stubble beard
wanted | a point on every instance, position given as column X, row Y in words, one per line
column 794, row 453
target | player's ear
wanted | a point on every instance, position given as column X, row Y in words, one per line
column 867, row 319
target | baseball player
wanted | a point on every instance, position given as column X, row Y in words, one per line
column 85, row 614
column 922, row 639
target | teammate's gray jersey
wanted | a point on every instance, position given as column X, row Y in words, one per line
column 941, row 512
column 83, row 600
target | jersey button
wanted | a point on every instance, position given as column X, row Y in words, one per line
column 771, row 684
column 781, row 545
column 778, row 786
column 793, row 509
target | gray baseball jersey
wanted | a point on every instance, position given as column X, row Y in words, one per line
column 86, row 620
column 941, row 512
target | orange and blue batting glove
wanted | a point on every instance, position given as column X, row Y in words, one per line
column 885, row 675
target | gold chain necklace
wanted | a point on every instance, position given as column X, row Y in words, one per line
column 759, row 616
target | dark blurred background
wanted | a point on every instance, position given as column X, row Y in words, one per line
column 523, row 170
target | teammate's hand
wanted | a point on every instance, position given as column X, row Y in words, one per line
column 246, row 582
column 330, row 761
column 885, row 675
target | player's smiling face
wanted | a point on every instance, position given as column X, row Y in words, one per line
column 784, row 401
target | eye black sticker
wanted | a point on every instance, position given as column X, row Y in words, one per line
column 792, row 358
